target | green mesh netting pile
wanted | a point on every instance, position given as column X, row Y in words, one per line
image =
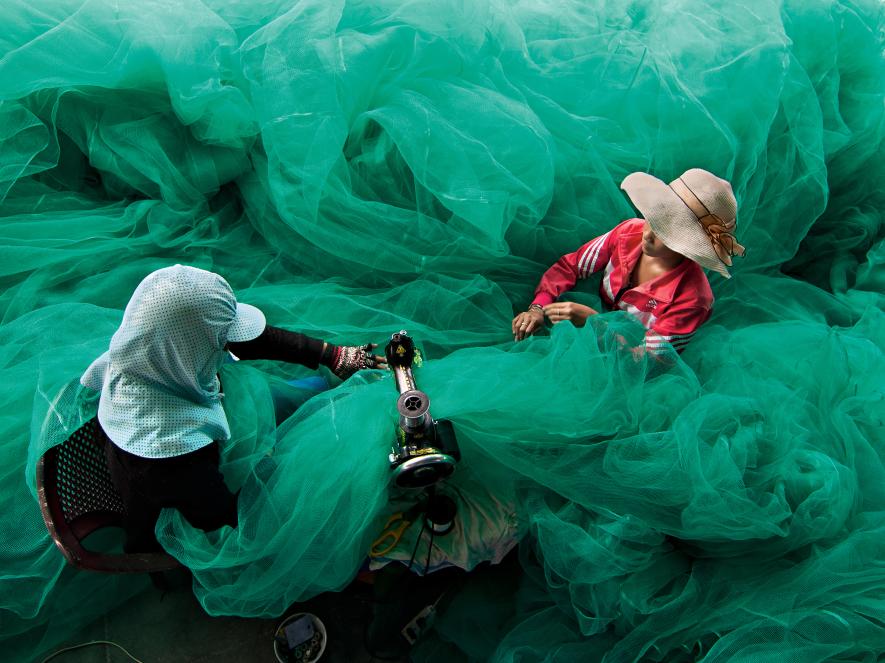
column 356, row 168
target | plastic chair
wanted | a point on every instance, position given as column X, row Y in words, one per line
column 77, row 497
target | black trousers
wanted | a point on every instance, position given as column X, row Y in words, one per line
column 191, row 483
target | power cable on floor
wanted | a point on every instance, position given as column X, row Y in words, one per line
column 87, row 644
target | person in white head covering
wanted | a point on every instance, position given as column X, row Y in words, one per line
column 652, row 267
column 161, row 403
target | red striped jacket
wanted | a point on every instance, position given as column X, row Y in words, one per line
column 671, row 306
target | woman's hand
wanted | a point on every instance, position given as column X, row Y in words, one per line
column 348, row 359
column 527, row 323
column 561, row 311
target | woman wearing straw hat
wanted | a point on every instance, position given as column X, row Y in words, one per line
column 160, row 408
column 653, row 267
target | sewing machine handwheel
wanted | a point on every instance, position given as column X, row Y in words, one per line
column 423, row 471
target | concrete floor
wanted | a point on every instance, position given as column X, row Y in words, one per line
column 171, row 627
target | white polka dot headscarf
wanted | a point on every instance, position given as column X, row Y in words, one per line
column 158, row 380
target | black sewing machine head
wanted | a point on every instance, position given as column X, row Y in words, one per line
column 425, row 451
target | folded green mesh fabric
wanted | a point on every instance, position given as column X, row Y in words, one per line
column 356, row 168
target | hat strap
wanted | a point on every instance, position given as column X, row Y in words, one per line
column 680, row 188
column 720, row 232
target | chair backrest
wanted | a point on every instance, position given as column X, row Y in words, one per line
column 77, row 497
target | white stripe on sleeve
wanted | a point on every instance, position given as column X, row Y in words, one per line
column 598, row 251
column 590, row 256
column 678, row 341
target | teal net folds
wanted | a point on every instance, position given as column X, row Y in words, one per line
column 357, row 168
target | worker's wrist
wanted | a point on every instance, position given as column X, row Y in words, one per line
column 330, row 355
column 536, row 307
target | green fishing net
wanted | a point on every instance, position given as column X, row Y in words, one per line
column 356, row 168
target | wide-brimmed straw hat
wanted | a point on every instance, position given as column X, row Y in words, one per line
column 694, row 215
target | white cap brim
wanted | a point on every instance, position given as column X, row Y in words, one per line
column 248, row 324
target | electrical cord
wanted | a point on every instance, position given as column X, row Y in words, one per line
column 87, row 644
column 429, row 550
column 410, row 579
column 411, row 576
column 417, row 543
